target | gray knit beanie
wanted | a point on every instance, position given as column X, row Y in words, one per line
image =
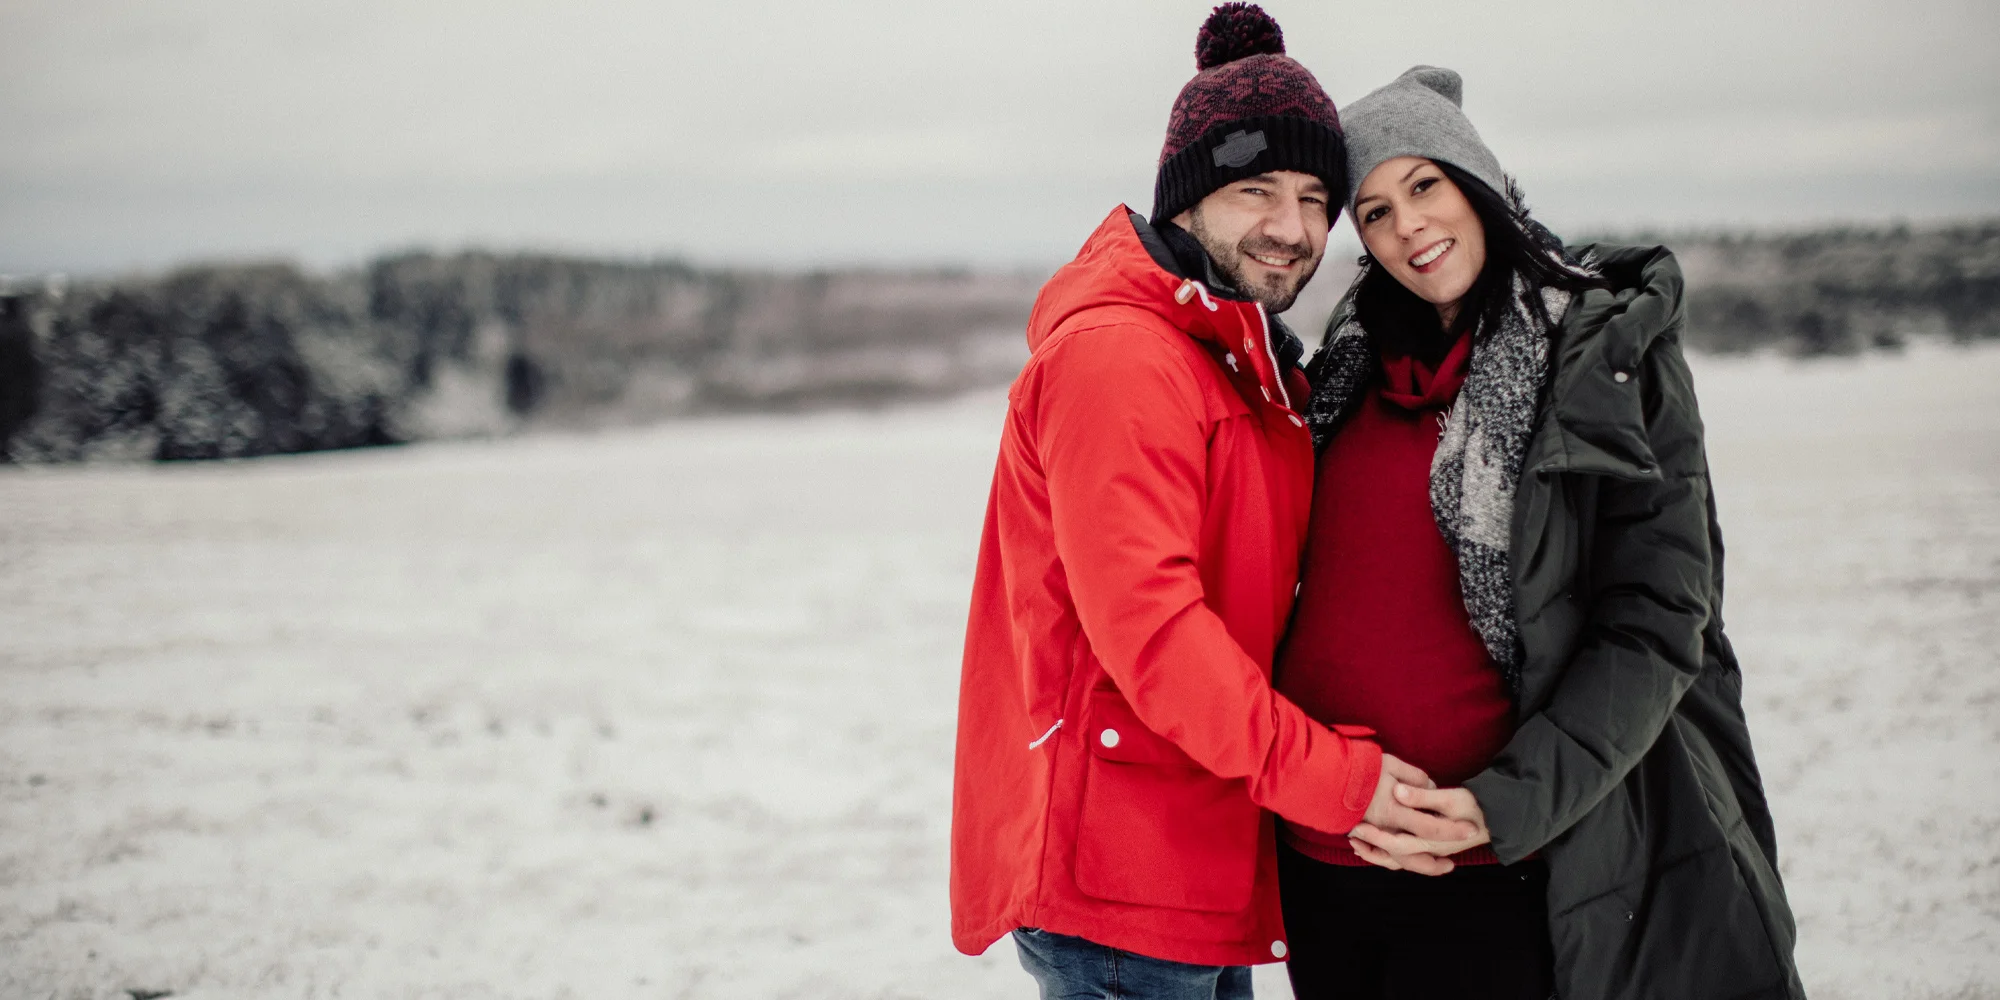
column 1417, row 114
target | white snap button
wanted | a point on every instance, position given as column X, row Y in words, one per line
column 1620, row 377
column 1248, row 346
column 1296, row 422
column 1108, row 737
column 1278, row 949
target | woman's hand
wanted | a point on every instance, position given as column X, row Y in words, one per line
column 1409, row 850
column 1390, row 815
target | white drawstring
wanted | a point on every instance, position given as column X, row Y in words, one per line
column 1045, row 736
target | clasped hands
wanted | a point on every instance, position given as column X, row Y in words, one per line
column 1414, row 825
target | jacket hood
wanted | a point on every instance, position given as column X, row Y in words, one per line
column 1595, row 406
column 1642, row 305
column 1125, row 262
column 1126, row 265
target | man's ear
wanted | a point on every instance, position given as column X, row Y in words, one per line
column 1185, row 220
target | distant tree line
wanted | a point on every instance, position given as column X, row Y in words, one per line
column 1837, row 291
column 228, row 361
column 236, row 360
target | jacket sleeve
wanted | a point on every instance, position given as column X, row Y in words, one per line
column 1123, row 441
column 1649, row 575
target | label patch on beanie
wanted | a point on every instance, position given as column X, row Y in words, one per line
column 1240, row 148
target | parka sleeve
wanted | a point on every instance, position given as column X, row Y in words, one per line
column 1649, row 574
column 1123, row 441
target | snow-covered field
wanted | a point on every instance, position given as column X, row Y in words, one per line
column 668, row 713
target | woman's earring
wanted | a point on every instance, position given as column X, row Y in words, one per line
column 1363, row 261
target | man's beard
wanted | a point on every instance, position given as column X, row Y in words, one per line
column 1277, row 292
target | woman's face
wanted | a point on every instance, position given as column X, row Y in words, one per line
column 1419, row 225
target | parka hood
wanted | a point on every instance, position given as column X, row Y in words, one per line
column 1126, row 264
column 1595, row 402
column 1642, row 305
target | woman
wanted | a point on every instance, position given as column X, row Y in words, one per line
column 1513, row 575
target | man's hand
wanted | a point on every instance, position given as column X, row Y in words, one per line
column 1390, row 815
column 1412, row 848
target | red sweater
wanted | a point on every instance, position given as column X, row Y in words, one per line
column 1380, row 636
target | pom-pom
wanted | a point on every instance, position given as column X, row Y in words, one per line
column 1236, row 30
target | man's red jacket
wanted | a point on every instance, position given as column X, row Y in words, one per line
column 1120, row 749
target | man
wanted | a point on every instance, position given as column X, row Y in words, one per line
column 1120, row 750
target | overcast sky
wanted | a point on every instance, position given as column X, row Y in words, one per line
column 138, row 133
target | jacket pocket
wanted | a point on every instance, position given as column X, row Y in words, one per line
column 1157, row 829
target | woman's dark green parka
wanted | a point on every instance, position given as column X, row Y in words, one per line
column 1631, row 772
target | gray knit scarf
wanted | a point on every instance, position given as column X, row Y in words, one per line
column 1479, row 453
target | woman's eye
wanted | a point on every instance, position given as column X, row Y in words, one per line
column 1424, row 185
column 1374, row 214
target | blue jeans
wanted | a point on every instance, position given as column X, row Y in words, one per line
column 1071, row 968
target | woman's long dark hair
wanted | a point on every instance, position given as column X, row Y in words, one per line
column 1400, row 323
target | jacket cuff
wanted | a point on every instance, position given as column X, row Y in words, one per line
column 1364, row 771
column 1335, row 798
column 1321, row 777
column 1502, row 801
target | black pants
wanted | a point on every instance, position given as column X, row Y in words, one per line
column 1478, row 933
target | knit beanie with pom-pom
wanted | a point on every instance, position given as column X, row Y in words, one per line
column 1250, row 109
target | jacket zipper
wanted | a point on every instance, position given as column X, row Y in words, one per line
column 1284, row 398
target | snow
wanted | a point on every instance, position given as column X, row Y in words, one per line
column 669, row 712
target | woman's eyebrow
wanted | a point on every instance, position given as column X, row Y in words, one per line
column 1420, row 165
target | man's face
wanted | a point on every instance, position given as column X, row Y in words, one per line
column 1267, row 233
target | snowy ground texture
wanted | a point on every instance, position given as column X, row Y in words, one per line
column 669, row 713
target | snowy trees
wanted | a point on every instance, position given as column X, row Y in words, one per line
column 250, row 359
column 237, row 360
column 1841, row 290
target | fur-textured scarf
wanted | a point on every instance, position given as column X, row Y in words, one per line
column 1479, row 454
